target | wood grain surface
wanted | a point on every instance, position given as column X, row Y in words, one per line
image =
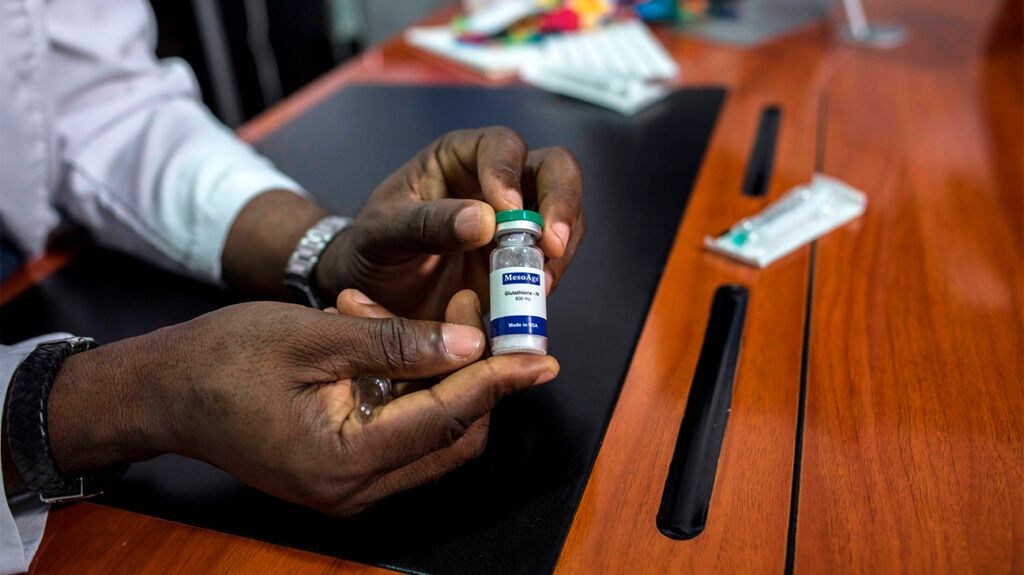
column 92, row 539
column 912, row 448
column 614, row 530
column 913, row 429
column 911, row 460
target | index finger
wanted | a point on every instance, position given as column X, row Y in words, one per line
column 555, row 176
column 423, row 422
column 498, row 156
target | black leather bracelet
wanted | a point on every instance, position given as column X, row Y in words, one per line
column 26, row 421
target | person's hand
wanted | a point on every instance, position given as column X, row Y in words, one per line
column 262, row 390
column 464, row 309
column 424, row 232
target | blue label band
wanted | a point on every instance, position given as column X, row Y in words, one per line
column 520, row 278
column 519, row 324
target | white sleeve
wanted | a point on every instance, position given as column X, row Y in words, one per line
column 146, row 168
column 22, row 515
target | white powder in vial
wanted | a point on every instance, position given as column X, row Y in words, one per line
column 518, row 286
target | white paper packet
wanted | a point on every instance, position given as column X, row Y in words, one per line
column 804, row 214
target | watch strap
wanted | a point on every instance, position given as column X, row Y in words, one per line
column 299, row 273
column 27, row 435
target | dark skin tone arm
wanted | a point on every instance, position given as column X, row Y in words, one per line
column 200, row 389
column 419, row 250
column 426, row 231
column 263, row 237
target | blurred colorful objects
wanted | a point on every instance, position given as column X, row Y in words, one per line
column 525, row 21
column 591, row 13
column 676, row 11
column 617, row 63
column 560, row 20
column 658, row 10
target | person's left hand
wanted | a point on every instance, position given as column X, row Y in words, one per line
column 424, row 232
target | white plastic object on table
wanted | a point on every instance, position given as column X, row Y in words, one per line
column 804, row 214
column 495, row 17
column 619, row 67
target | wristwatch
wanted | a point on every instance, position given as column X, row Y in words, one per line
column 298, row 274
column 27, row 436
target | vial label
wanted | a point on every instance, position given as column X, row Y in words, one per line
column 518, row 303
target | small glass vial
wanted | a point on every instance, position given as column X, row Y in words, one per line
column 370, row 393
column 519, row 313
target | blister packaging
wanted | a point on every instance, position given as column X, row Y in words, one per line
column 804, row 214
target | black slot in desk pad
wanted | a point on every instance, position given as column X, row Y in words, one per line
column 510, row 510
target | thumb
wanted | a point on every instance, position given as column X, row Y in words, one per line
column 401, row 348
column 423, row 422
column 434, row 227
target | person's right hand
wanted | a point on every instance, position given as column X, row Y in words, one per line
column 262, row 390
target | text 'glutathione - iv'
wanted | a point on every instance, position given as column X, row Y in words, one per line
column 519, row 316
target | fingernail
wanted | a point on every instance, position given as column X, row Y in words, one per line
column 467, row 224
column 360, row 297
column 514, row 197
column 561, row 230
column 544, row 378
column 461, row 340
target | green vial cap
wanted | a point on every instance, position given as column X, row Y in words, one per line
column 513, row 215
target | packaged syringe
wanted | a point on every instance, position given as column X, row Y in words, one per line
column 802, row 215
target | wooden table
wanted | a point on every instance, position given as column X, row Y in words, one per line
column 878, row 411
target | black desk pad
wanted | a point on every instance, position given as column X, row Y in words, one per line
column 510, row 510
